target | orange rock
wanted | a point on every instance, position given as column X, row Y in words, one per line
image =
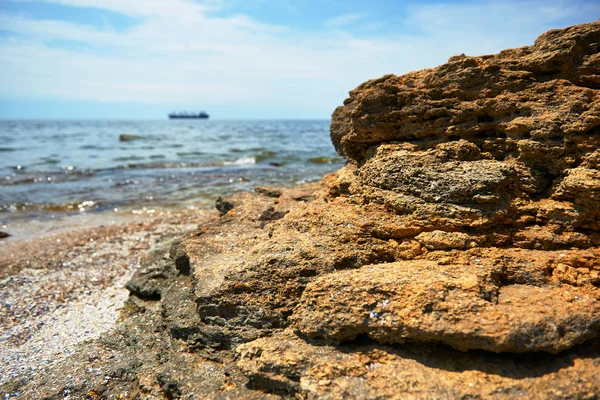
column 456, row 255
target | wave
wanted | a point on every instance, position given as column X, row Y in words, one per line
column 248, row 160
column 23, row 178
column 264, row 155
column 241, row 161
column 128, row 158
column 187, row 154
column 78, row 206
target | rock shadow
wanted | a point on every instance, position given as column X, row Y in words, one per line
column 507, row 365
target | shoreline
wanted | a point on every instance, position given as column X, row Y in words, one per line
column 24, row 229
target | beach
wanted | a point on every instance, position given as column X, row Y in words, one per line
column 83, row 201
column 61, row 289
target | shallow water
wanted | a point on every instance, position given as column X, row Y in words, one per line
column 50, row 169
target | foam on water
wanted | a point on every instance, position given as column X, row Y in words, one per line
column 48, row 168
column 242, row 161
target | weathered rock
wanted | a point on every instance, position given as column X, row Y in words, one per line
column 581, row 186
column 459, row 305
column 467, row 216
column 268, row 191
column 481, row 141
column 124, row 137
column 440, row 240
column 155, row 352
column 288, row 365
column 457, row 169
column 503, row 103
column 154, row 276
column 456, row 255
column 223, row 205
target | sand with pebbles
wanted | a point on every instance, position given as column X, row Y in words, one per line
column 58, row 290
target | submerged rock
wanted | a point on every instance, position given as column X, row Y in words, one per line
column 124, row 137
column 456, row 255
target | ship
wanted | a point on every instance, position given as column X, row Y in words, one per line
column 188, row 115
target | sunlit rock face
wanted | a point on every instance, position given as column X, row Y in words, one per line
column 469, row 216
column 483, row 140
column 456, row 255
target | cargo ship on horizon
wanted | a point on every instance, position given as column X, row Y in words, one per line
column 188, row 115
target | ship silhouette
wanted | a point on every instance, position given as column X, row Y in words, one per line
column 189, row 115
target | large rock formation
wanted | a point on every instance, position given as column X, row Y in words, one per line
column 456, row 255
column 482, row 142
column 496, row 158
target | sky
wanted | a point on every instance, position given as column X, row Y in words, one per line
column 241, row 59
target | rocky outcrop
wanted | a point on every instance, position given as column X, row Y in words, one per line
column 361, row 370
column 456, row 255
column 471, row 205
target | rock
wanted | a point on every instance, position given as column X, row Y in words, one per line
column 479, row 140
column 223, row 205
column 581, row 186
column 455, row 255
column 180, row 258
column 465, row 217
column 128, row 138
column 268, row 191
column 148, row 282
column 154, row 276
column 459, row 305
column 440, row 240
column 477, row 191
column 290, row 366
column 500, row 102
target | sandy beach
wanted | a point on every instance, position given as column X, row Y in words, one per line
column 66, row 284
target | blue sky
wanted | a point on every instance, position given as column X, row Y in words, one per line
column 238, row 59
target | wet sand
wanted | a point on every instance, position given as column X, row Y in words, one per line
column 64, row 284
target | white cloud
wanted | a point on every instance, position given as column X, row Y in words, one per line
column 179, row 53
column 141, row 8
column 343, row 20
column 49, row 29
column 511, row 19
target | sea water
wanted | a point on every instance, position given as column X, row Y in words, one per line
column 51, row 169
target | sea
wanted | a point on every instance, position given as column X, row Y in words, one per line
column 56, row 169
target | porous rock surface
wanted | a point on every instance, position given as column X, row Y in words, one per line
column 456, row 255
